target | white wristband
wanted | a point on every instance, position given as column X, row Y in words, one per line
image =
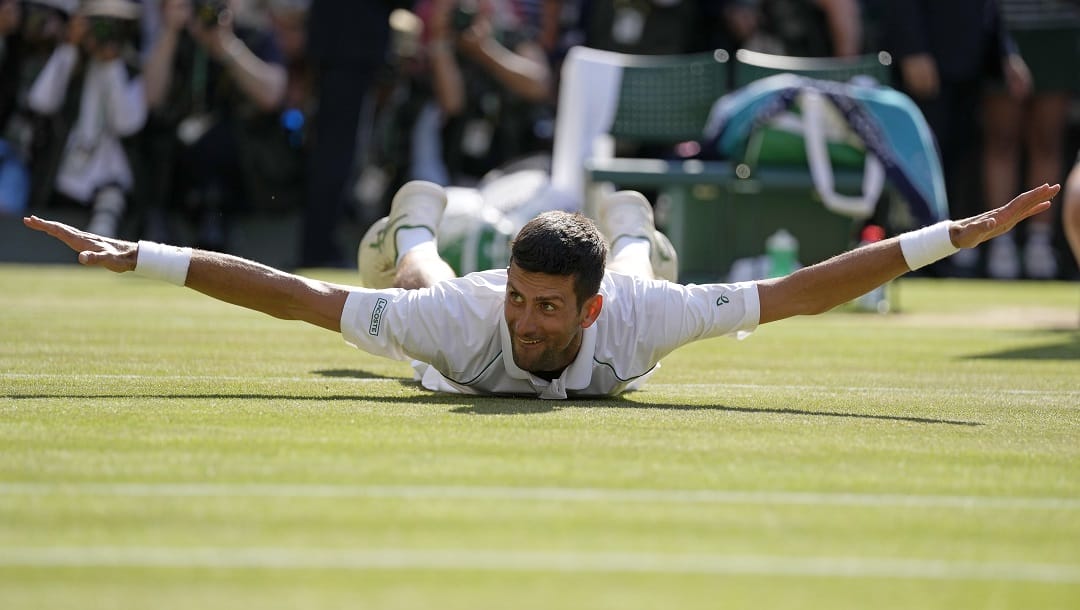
column 927, row 245
column 161, row 262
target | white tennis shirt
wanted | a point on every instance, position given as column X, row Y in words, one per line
column 456, row 332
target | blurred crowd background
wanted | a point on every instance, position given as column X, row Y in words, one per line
column 173, row 120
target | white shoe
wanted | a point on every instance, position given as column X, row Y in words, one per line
column 628, row 214
column 1040, row 263
column 1003, row 262
column 417, row 204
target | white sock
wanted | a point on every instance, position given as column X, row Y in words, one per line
column 408, row 240
column 631, row 246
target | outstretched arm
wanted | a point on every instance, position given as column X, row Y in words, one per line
column 221, row 276
column 821, row 287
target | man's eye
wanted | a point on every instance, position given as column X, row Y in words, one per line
column 516, row 298
column 548, row 307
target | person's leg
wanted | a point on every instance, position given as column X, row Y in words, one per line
column 1070, row 213
column 400, row 249
column 341, row 91
column 1002, row 123
column 422, row 267
column 108, row 210
column 637, row 248
column 1045, row 146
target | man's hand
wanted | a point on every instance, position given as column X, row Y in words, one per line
column 94, row 250
column 77, row 29
column 215, row 38
column 921, row 75
column 1018, row 77
column 970, row 232
column 10, row 16
column 175, row 14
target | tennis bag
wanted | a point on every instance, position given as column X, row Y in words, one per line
column 793, row 120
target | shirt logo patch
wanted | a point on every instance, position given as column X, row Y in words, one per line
column 723, row 300
column 376, row 316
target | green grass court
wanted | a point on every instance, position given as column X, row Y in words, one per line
column 162, row 450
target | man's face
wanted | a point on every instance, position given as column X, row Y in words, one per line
column 544, row 319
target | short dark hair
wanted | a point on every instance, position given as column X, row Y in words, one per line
column 563, row 243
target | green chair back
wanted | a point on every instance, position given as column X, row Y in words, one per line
column 667, row 98
column 750, row 66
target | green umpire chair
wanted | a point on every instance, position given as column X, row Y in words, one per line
column 714, row 212
column 611, row 102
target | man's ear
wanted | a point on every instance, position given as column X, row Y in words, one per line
column 592, row 308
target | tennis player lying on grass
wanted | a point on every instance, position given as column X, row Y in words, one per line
column 563, row 319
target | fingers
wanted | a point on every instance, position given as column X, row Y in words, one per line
column 1039, row 194
column 49, row 226
column 91, row 258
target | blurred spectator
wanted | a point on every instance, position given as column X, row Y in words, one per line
column 807, row 28
column 288, row 21
column 1031, row 128
column 946, row 53
column 1070, row 213
column 347, row 44
column 14, row 177
column 492, row 84
column 93, row 78
column 30, row 144
column 214, row 141
column 662, row 27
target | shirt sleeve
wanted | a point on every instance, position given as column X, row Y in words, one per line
column 448, row 325
column 675, row 315
column 126, row 103
column 48, row 91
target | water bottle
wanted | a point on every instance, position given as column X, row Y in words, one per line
column 782, row 251
column 877, row 300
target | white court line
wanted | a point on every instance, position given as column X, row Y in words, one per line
column 534, row 561
column 664, row 386
column 537, row 494
column 140, row 377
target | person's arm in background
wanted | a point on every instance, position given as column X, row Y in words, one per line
column 158, row 71
column 818, row 288
column 446, row 78
column 260, row 80
column 50, row 87
column 1070, row 212
column 125, row 110
column 906, row 28
column 1014, row 69
column 10, row 17
column 524, row 70
column 845, row 26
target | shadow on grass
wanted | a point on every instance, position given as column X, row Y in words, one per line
column 498, row 405
column 1066, row 347
column 351, row 374
column 510, row 406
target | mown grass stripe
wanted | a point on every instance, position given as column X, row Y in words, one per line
column 539, row 494
column 667, row 387
column 492, row 560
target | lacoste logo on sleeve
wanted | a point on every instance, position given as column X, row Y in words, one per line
column 376, row 317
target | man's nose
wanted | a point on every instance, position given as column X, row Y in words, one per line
column 525, row 323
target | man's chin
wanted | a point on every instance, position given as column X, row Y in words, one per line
column 531, row 364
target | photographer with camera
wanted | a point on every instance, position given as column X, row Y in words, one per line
column 214, row 139
column 491, row 80
column 92, row 83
